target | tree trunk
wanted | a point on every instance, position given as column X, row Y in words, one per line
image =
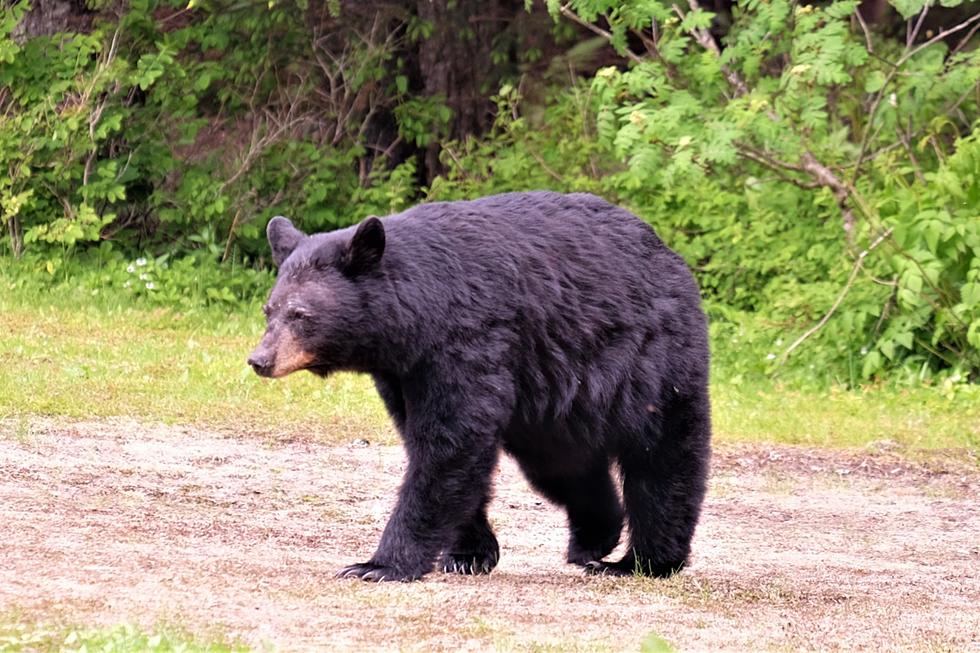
column 456, row 63
column 52, row 16
column 16, row 236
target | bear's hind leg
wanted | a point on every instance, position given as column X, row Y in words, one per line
column 475, row 549
column 664, row 483
column 595, row 514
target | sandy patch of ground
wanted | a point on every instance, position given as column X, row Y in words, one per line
column 116, row 521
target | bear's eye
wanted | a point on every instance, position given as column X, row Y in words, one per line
column 296, row 314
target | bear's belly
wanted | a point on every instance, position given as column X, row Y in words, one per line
column 555, row 447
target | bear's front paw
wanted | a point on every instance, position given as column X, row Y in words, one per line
column 468, row 564
column 595, row 542
column 584, row 556
column 369, row 571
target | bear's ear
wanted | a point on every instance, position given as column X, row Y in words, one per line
column 283, row 238
column 364, row 250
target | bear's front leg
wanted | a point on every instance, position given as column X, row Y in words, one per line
column 442, row 489
column 451, row 458
column 474, row 549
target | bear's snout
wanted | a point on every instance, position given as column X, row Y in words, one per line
column 262, row 362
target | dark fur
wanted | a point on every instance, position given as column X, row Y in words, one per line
column 557, row 327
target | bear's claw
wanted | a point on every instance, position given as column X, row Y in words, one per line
column 369, row 571
column 467, row 564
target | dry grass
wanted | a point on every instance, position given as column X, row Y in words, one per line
column 118, row 521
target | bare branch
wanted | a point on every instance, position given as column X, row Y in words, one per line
column 938, row 37
column 706, row 41
column 858, row 264
column 595, row 29
column 910, row 38
column 768, row 159
column 544, row 166
column 965, row 40
column 763, row 158
column 867, row 32
column 826, row 177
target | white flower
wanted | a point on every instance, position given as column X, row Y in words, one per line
column 141, row 261
column 893, row 100
column 143, row 276
column 130, row 268
column 864, row 351
column 127, row 284
column 150, row 285
column 770, row 357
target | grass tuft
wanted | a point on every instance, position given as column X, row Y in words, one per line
column 18, row 636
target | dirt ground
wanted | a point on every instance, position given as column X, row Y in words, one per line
column 116, row 521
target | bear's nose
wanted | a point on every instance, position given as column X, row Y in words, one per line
column 261, row 364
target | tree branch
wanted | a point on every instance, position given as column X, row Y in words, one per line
column 842, row 192
column 858, row 264
column 595, row 29
column 867, row 32
column 704, row 38
column 938, row 37
column 910, row 36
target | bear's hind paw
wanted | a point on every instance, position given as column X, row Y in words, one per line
column 629, row 566
column 369, row 571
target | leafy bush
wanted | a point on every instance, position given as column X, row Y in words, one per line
column 105, row 275
column 810, row 169
column 172, row 129
column 820, row 175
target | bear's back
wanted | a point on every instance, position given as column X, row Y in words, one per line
column 572, row 295
column 542, row 245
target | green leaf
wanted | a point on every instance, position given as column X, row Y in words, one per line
column 697, row 19
column 842, row 8
column 887, row 348
column 970, row 294
column 203, row 81
column 904, row 339
column 872, row 363
column 874, row 82
column 913, row 281
column 908, row 8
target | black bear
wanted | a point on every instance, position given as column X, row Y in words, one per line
column 557, row 327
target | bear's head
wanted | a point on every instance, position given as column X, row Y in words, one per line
column 317, row 316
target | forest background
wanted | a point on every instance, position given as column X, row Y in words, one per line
column 818, row 165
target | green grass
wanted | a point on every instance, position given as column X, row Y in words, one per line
column 19, row 635
column 78, row 357
column 82, row 362
column 923, row 418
